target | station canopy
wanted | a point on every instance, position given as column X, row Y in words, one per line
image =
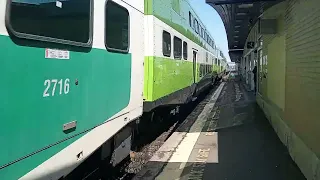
column 239, row 16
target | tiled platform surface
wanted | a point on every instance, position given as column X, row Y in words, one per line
column 229, row 138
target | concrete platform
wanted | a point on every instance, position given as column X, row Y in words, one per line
column 227, row 137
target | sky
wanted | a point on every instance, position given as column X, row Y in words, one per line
column 213, row 23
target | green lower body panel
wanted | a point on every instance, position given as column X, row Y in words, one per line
column 164, row 76
column 39, row 95
column 172, row 81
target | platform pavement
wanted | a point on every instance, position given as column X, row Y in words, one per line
column 226, row 138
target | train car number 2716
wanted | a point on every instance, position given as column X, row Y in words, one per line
column 51, row 85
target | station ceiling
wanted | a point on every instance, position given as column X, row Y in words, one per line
column 239, row 16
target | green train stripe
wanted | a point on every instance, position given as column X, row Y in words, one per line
column 33, row 113
column 148, row 7
column 164, row 76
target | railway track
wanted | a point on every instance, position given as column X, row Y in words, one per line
column 148, row 142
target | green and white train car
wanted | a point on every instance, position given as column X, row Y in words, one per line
column 77, row 75
column 72, row 77
column 180, row 53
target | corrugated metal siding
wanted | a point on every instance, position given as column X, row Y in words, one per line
column 302, row 100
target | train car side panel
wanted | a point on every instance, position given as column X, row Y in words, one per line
column 90, row 86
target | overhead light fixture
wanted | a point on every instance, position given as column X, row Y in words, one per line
column 235, row 36
column 245, row 5
column 236, row 41
column 237, row 26
column 238, row 20
column 241, row 14
column 235, row 46
column 236, row 31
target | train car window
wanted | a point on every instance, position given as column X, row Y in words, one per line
column 202, row 69
column 166, row 44
column 190, row 19
column 206, row 57
column 177, row 48
column 117, row 27
column 196, row 26
column 215, row 61
column 185, row 50
column 49, row 20
column 202, row 32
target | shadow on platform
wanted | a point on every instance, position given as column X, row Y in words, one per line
column 247, row 146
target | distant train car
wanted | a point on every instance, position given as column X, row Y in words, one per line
column 179, row 51
column 77, row 75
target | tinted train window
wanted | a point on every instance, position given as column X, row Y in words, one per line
column 51, row 19
column 201, row 70
column 117, row 27
column 190, row 19
column 166, row 43
column 202, row 32
column 206, row 57
column 177, row 48
column 196, row 24
column 185, row 50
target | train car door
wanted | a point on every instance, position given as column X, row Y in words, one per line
column 194, row 65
